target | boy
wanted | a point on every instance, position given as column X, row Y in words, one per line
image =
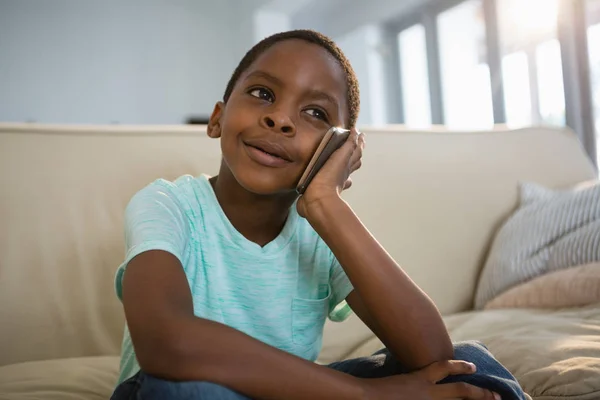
column 227, row 281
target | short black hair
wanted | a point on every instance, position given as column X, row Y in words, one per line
column 310, row 36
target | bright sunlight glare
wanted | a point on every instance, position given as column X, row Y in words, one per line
column 534, row 16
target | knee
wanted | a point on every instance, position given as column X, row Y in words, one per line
column 470, row 343
column 469, row 349
column 476, row 353
column 473, row 351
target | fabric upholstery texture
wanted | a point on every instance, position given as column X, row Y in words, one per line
column 551, row 230
column 554, row 354
column 571, row 287
column 89, row 378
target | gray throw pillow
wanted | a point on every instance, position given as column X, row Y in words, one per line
column 551, row 230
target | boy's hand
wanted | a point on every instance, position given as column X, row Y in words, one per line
column 334, row 176
column 421, row 385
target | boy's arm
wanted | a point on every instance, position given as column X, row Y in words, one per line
column 384, row 296
column 171, row 343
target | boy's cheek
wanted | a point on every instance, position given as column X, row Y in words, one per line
column 309, row 146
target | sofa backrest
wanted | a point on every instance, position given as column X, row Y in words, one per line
column 433, row 199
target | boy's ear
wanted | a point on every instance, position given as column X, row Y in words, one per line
column 214, row 123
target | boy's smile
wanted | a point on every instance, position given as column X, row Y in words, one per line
column 277, row 113
column 267, row 153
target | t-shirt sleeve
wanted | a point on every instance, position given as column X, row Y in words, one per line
column 341, row 287
column 154, row 220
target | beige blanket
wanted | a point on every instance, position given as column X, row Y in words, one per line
column 555, row 355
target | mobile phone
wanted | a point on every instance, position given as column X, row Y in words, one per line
column 333, row 140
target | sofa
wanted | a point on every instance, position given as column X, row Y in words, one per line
column 434, row 199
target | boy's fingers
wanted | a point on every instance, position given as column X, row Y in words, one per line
column 354, row 136
column 439, row 370
column 462, row 390
column 352, row 144
column 349, row 147
column 355, row 166
column 356, row 156
column 361, row 140
column 347, row 184
column 358, row 138
column 358, row 150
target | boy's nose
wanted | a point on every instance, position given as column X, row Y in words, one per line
column 279, row 122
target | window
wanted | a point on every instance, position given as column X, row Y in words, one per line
column 531, row 62
column 517, row 94
column 593, row 32
column 470, row 63
column 551, row 91
column 414, row 77
column 466, row 87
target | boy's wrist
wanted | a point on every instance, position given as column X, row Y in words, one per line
column 319, row 208
column 363, row 391
column 355, row 388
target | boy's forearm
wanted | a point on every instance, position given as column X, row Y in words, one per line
column 409, row 322
column 203, row 350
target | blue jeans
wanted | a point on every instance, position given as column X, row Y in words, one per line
column 490, row 375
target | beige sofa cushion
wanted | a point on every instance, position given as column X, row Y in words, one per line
column 433, row 199
column 574, row 287
column 86, row 378
column 555, row 355
column 61, row 237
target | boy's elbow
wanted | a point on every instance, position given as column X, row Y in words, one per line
column 437, row 348
column 157, row 355
column 166, row 355
column 445, row 347
column 441, row 349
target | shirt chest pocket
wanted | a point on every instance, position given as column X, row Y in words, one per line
column 308, row 319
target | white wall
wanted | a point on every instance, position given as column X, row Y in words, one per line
column 269, row 22
column 134, row 61
column 160, row 61
column 338, row 17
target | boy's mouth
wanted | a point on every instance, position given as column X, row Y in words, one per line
column 267, row 154
column 270, row 149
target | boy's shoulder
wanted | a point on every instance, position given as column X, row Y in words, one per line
column 185, row 192
column 181, row 187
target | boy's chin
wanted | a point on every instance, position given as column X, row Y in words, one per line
column 265, row 185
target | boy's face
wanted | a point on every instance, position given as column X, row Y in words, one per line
column 278, row 112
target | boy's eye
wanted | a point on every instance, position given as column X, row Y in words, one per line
column 317, row 113
column 262, row 94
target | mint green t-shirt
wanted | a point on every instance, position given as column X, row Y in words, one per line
column 279, row 294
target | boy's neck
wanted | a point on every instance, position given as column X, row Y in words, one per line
column 259, row 219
